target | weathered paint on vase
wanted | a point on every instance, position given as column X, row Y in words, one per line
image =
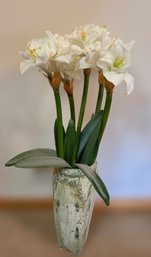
column 73, row 202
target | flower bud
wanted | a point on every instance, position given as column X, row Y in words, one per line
column 56, row 80
column 109, row 86
column 106, row 83
column 68, row 86
column 87, row 71
column 101, row 78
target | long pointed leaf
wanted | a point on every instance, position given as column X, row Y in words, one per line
column 87, row 156
column 42, row 162
column 69, row 140
column 88, row 130
column 31, row 153
column 56, row 135
column 96, row 182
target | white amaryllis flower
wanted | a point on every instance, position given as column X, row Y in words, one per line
column 38, row 53
column 51, row 54
column 66, row 58
column 89, row 40
column 115, row 62
column 62, row 49
column 87, row 46
column 86, row 36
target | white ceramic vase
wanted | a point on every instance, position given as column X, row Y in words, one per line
column 73, row 202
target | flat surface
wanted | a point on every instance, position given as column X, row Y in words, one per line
column 112, row 234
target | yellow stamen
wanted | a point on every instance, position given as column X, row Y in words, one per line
column 118, row 62
column 83, row 35
column 32, row 53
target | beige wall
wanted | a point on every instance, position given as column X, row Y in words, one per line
column 27, row 106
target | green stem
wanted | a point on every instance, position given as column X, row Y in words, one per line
column 60, row 123
column 100, row 97
column 83, row 102
column 106, row 112
column 72, row 107
column 81, row 115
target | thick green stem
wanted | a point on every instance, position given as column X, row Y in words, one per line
column 106, row 112
column 81, row 115
column 59, row 122
column 72, row 107
column 83, row 102
column 104, row 122
column 100, row 97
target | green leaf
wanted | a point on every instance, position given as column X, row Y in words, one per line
column 56, row 136
column 42, row 162
column 31, row 153
column 96, row 182
column 88, row 130
column 88, row 157
column 69, row 140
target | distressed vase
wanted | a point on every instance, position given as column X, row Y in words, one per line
column 73, row 202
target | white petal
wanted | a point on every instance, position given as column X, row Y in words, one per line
column 63, row 59
column 76, row 50
column 129, row 80
column 23, row 54
column 115, row 78
column 83, row 64
column 74, row 74
column 130, row 44
column 25, row 65
column 50, row 35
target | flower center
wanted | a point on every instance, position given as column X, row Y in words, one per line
column 118, row 63
column 32, row 53
column 83, row 35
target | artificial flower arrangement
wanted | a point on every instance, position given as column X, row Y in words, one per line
column 62, row 60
